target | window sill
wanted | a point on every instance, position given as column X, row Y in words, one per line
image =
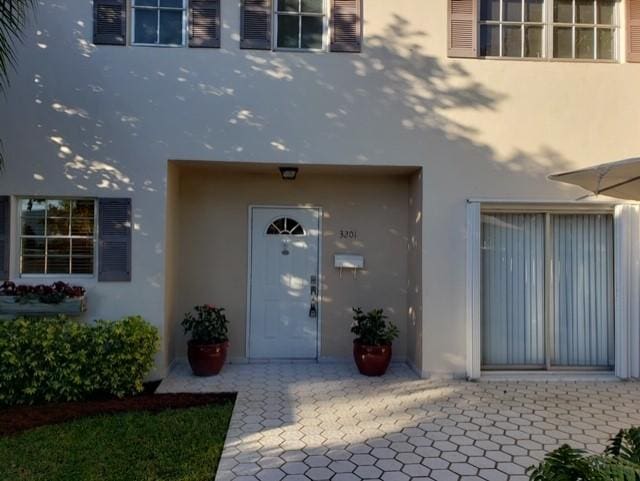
column 550, row 60
column 57, row 276
column 69, row 306
column 158, row 45
column 549, row 376
column 300, row 50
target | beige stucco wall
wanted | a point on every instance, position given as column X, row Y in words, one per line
column 414, row 273
column 86, row 120
column 172, row 259
column 212, row 253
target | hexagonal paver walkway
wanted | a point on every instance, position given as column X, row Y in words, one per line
column 302, row 422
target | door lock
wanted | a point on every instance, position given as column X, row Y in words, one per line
column 313, row 310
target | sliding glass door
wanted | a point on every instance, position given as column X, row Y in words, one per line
column 547, row 290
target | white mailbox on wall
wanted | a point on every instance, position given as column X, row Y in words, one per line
column 348, row 261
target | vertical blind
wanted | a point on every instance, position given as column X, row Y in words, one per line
column 512, row 321
column 582, row 290
column 580, row 293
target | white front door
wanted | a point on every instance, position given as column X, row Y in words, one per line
column 284, row 283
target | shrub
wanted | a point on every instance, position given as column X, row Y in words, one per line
column 620, row 461
column 372, row 328
column 209, row 326
column 45, row 360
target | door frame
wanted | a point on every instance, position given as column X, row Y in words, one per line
column 250, row 210
column 474, row 210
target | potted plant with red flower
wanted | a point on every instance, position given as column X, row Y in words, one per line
column 372, row 346
column 207, row 348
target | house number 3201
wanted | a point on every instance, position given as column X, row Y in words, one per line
column 348, row 234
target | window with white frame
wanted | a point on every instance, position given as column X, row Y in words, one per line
column 57, row 236
column 159, row 22
column 584, row 29
column 300, row 24
column 553, row 29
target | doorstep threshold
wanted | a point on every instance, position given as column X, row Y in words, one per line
column 282, row 360
column 549, row 376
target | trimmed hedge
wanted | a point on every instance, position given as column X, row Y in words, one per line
column 51, row 360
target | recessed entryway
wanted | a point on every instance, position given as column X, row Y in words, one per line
column 229, row 225
column 284, row 283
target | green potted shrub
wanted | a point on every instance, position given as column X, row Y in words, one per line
column 207, row 348
column 372, row 346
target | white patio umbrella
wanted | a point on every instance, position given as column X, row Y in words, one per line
column 619, row 179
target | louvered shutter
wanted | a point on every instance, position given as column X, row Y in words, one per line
column 633, row 31
column 346, row 26
column 114, row 248
column 463, row 28
column 255, row 24
column 109, row 22
column 204, row 23
column 5, row 236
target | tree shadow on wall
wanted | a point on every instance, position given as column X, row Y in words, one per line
column 124, row 111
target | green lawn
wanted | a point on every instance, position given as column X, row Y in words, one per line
column 176, row 445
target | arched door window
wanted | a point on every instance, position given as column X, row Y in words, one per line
column 285, row 226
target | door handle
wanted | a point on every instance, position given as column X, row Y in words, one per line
column 313, row 310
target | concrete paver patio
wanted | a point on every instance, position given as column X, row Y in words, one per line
column 302, row 422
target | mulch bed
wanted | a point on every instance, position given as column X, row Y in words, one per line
column 22, row 418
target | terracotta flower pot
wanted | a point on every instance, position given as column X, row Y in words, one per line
column 207, row 359
column 371, row 360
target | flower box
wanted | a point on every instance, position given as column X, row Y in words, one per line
column 41, row 300
column 71, row 306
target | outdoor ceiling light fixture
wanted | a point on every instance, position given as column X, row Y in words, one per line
column 288, row 173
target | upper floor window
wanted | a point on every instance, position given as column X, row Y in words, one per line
column 57, row 236
column 312, row 25
column 511, row 28
column 555, row 29
column 300, row 24
column 584, row 29
column 159, row 22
